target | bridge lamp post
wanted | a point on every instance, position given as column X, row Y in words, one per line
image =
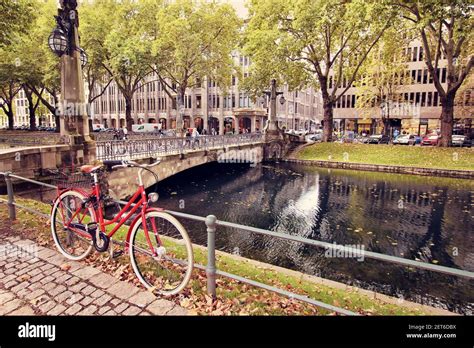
column 74, row 121
column 272, row 122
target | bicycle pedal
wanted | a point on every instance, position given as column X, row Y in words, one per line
column 117, row 253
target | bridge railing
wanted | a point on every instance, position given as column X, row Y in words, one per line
column 162, row 146
column 211, row 223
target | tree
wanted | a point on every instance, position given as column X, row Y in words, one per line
column 195, row 41
column 10, row 80
column 384, row 75
column 446, row 30
column 115, row 35
column 15, row 17
column 322, row 43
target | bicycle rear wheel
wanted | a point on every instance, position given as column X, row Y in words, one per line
column 67, row 215
column 161, row 253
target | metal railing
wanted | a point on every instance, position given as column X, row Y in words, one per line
column 163, row 146
column 211, row 223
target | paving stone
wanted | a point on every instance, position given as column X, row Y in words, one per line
column 46, row 253
column 36, row 278
column 11, row 284
column 47, row 306
column 74, row 280
column 74, row 298
column 103, row 309
column 102, row 300
column 177, row 310
column 111, row 312
column 5, row 297
column 123, row 290
column 73, row 309
column 23, row 292
column 142, row 299
column 116, row 302
column 25, row 310
column 58, row 309
column 48, row 287
column 57, row 290
column 62, row 279
column 121, row 307
column 98, row 293
column 10, row 306
column 35, row 286
column 160, row 307
column 34, row 272
column 103, row 280
column 63, row 296
column 86, row 272
column 87, row 301
column 46, row 280
column 88, row 290
column 90, row 310
column 78, row 287
column 132, row 310
column 35, row 294
column 8, row 278
column 57, row 259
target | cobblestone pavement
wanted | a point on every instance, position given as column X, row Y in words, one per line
column 35, row 280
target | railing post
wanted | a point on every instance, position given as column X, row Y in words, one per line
column 211, row 256
column 11, row 197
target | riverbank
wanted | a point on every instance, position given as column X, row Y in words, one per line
column 435, row 161
column 235, row 297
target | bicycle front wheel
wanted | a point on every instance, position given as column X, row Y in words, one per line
column 67, row 216
column 161, row 253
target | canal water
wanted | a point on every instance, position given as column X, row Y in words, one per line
column 429, row 219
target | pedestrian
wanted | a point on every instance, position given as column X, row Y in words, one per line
column 125, row 133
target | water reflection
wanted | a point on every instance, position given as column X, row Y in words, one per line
column 423, row 218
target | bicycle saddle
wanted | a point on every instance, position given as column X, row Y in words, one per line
column 89, row 168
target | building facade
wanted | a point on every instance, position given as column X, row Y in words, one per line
column 417, row 108
column 207, row 106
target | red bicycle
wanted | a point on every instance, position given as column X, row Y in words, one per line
column 160, row 250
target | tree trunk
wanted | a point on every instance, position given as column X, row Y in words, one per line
column 128, row 112
column 447, row 120
column 31, row 107
column 10, row 117
column 386, row 126
column 179, row 106
column 328, row 121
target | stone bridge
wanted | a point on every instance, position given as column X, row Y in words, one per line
column 176, row 154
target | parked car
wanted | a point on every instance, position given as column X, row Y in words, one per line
column 378, row 139
column 431, row 139
column 461, row 140
column 361, row 139
column 405, row 139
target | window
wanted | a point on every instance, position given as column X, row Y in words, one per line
column 412, row 97
column 419, row 76
column 198, row 101
column 429, row 100
column 343, row 102
column 413, row 76
column 409, row 53
column 353, row 101
column 425, row 76
column 423, row 99
column 417, row 98
column 421, row 54
column 415, row 54
column 234, row 80
column 435, row 99
column 330, row 81
column 443, row 76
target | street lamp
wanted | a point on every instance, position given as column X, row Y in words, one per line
column 61, row 40
column 272, row 122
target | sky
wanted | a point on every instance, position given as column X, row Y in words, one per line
column 239, row 5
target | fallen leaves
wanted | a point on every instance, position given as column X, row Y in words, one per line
column 65, row 267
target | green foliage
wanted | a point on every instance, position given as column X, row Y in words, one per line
column 303, row 42
column 14, row 19
column 195, row 39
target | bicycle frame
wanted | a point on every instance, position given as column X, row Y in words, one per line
column 120, row 219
